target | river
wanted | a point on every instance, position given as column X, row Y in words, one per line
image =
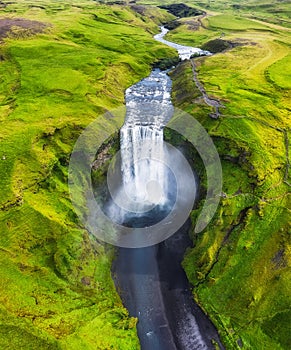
column 152, row 284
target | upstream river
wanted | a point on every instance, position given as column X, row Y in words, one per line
column 151, row 282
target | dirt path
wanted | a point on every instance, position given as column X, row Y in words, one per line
column 215, row 104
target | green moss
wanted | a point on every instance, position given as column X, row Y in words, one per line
column 268, row 11
column 56, row 290
column 280, row 74
column 15, row 338
column 239, row 265
column 230, row 22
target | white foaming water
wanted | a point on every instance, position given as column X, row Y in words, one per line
column 143, row 171
column 143, row 155
column 185, row 52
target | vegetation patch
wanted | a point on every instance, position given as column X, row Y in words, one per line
column 172, row 25
column 279, row 73
column 167, row 63
column 217, row 45
column 182, row 10
column 19, row 27
column 56, row 290
column 240, row 265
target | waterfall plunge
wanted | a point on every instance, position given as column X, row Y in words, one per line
column 143, row 154
column 144, row 189
column 143, row 168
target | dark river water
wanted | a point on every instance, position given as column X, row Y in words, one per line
column 155, row 289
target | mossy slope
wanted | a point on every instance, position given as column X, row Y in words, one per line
column 56, row 288
column 240, row 265
column 277, row 12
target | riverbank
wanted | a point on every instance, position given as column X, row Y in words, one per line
column 239, row 264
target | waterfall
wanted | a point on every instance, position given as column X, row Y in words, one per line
column 145, row 177
column 148, row 186
column 143, row 153
column 143, row 171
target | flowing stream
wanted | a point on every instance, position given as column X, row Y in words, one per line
column 185, row 52
column 152, row 284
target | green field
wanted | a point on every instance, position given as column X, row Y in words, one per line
column 277, row 12
column 56, row 290
column 240, row 265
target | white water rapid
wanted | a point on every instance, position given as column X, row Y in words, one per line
column 143, row 154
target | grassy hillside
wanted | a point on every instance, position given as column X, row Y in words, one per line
column 240, row 265
column 62, row 64
column 277, row 11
